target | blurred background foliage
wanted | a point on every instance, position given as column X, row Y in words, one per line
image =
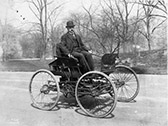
column 138, row 27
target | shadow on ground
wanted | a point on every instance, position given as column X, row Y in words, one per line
column 71, row 103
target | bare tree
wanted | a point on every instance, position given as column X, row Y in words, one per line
column 96, row 27
column 125, row 25
column 109, row 27
column 40, row 9
column 10, row 43
column 55, row 29
column 153, row 9
column 55, row 35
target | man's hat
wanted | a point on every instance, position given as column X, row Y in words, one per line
column 70, row 24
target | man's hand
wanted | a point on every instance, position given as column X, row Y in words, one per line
column 71, row 56
column 90, row 51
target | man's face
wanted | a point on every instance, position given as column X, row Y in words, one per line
column 70, row 29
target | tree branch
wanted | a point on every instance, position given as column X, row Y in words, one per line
column 158, row 25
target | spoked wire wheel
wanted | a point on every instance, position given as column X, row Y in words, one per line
column 95, row 94
column 126, row 82
column 44, row 90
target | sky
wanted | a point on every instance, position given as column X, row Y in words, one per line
column 17, row 12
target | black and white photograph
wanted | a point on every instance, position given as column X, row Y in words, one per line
column 83, row 63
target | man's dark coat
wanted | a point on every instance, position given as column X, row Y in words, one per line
column 67, row 41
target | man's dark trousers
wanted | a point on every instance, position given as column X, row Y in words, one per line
column 85, row 58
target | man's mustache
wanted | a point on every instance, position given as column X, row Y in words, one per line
column 71, row 31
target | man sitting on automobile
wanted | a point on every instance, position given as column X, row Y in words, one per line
column 73, row 46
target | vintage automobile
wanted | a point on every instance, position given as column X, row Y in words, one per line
column 96, row 92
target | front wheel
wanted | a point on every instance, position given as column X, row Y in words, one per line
column 126, row 82
column 44, row 90
column 95, row 94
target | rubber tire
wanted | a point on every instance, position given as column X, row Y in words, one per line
column 35, row 104
column 114, row 95
column 132, row 72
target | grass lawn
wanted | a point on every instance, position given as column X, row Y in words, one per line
column 36, row 64
column 24, row 65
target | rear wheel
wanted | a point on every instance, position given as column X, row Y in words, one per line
column 44, row 90
column 126, row 82
column 95, row 94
